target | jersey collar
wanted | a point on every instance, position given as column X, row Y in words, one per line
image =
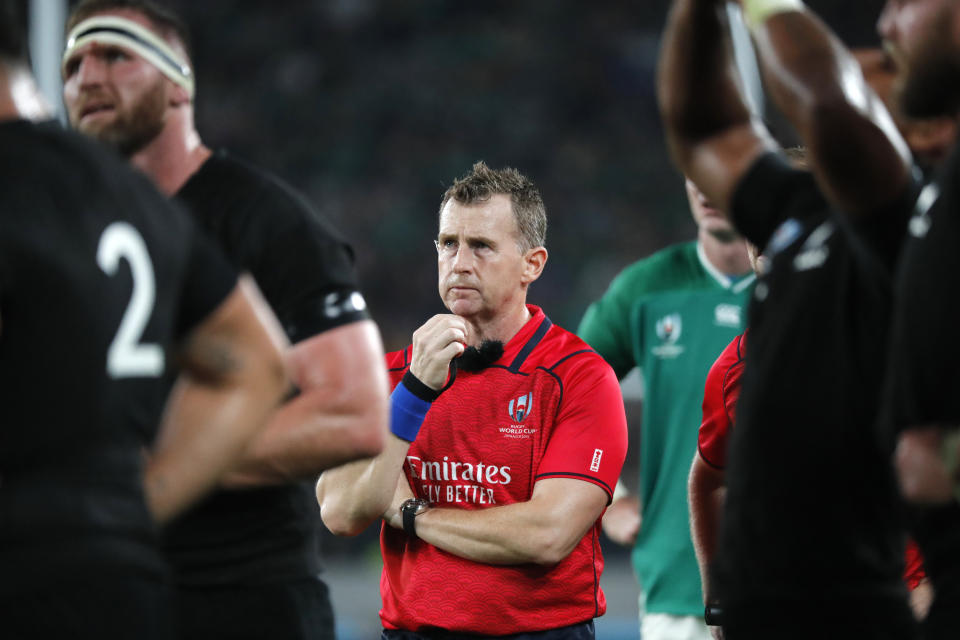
column 722, row 279
column 520, row 346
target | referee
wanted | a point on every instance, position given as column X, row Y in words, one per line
column 812, row 537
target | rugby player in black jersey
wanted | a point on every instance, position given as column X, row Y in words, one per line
column 923, row 38
column 247, row 559
column 812, row 538
column 104, row 286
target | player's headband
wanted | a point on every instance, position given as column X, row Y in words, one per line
column 134, row 36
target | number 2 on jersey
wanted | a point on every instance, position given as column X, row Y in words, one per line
column 127, row 357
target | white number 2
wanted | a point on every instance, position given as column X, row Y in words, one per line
column 127, row 357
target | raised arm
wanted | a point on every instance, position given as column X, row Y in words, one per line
column 232, row 377
column 711, row 133
column 856, row 153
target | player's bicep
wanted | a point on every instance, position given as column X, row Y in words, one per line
column 239, row 335
column 346, row 360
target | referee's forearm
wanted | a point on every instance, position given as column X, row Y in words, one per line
column 355, row 495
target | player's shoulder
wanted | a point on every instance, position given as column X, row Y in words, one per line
column 668, row 268
column 75, row 177
column 731, row 354
column 253, row 196
column 63, row 155
column 226, row 174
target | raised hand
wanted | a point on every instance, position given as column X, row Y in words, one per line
column 441, row 339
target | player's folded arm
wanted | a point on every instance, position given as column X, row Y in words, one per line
column 231, row 378
column 339, row 413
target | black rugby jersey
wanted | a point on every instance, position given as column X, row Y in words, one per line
column 306, row 274
column 811, row 511
column 99, row 276
column 923, row 373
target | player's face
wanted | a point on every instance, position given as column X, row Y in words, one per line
column 930, row 139
column 481, row 268
column 923, row 38
column 707, row 217
column 115, row 96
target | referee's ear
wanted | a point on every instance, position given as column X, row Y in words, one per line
column 534, row 261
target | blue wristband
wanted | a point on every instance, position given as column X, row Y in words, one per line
column 407, row 412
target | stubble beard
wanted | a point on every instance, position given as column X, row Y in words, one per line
column 133, row 130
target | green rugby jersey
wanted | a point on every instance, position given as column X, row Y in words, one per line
column 670, row 314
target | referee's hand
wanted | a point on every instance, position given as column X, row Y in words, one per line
column 441, row 339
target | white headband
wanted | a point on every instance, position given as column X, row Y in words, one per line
column 134, row 36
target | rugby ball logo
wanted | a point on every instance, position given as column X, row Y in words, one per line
column 520, row 408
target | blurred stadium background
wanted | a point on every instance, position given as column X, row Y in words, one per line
column 372, row 107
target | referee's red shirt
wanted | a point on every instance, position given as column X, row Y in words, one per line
column 550, row 407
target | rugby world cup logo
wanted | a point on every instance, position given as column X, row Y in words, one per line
column 521, row 407
column 669, row 327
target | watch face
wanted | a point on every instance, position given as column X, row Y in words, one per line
column 414, row 506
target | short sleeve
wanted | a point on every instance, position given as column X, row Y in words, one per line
column 306, row 273
column 208, row 280
column 398, row 362
column 913, row 573
column 771, row 192
column 720, row 396
column 605, row 328
column 589, row 437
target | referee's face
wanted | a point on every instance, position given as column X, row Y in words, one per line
column 482, row 272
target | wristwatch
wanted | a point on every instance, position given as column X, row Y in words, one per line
column 713, row 614
column 410, row 509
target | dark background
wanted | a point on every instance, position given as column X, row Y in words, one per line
column 372, row 107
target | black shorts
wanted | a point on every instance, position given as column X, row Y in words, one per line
column 579, row 631
column 107, row 606
column 298, row 610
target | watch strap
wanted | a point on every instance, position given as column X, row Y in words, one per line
column 409, row 515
